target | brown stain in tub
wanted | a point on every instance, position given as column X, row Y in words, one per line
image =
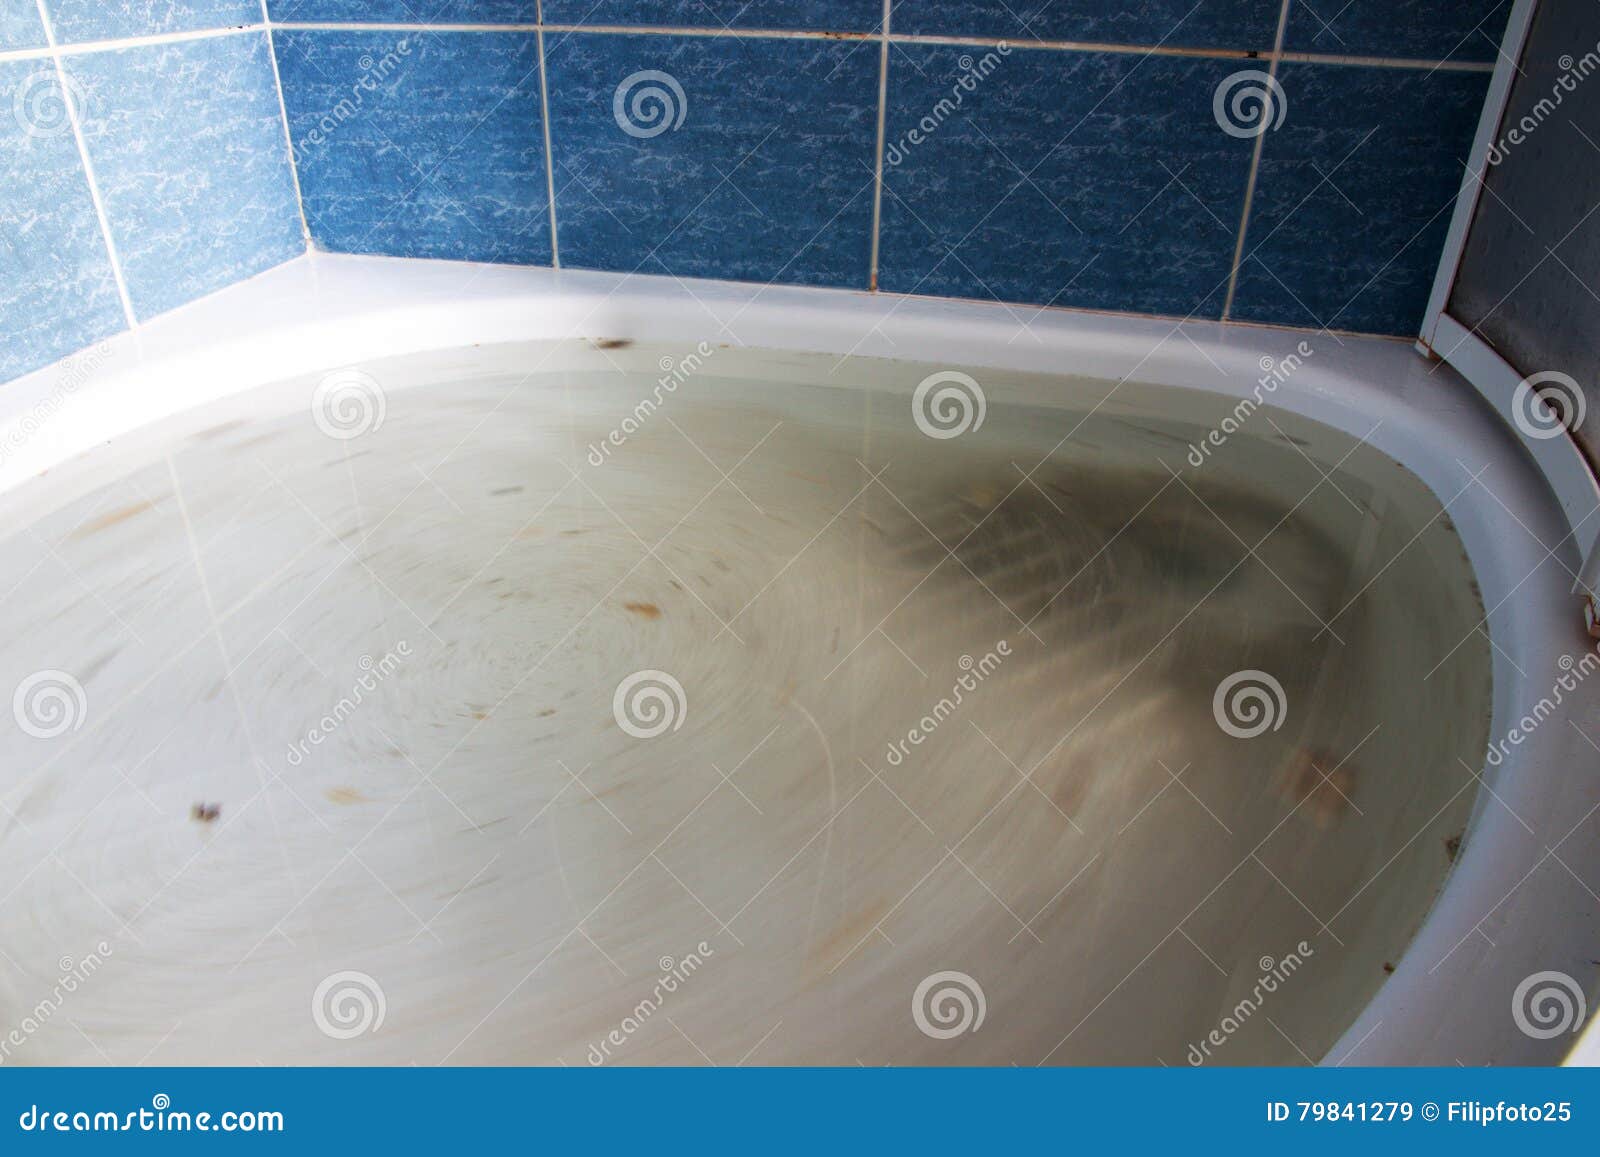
column 344, row 795
column 832, row 950
column 220, row 429
column 644, row 610
column 111, row 519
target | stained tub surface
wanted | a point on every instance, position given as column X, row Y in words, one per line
column 606, row 701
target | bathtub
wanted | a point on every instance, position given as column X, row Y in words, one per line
column 1519, row 901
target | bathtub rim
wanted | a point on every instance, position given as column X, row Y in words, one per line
column 323, row 311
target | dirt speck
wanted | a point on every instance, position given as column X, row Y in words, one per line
column 1452, row 846
column 612, row 343
column 344, row 795
column 205, row 813
column 644, row 610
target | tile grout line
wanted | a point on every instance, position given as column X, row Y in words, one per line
column 877, row 179
column 1255, row 165
column 549, row 154
column 71, row 105
column 1087, row 46
column 92, row 46
column 288, row 137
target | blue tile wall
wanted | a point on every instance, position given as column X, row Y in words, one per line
column 1238, row 24
column 766, row 172
column 189, row 153
column 419, row 145
column 80, row 20
column 1415, row 29
column 19, row 25
column 1098, row 180
column 832, row 15
column 57, row 292
column 1084, row 171
column 1354, row 196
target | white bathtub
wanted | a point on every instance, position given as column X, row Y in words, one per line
column 1520, row 900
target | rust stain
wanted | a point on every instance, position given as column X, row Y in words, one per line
column 219, row 430
column 205, row 813
column 846, row 936
column 645, row 610
column 344, row 795
column 111, row 519
column 1317, row 780
column 612, row 343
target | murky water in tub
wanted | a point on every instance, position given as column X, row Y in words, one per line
column 549, row 715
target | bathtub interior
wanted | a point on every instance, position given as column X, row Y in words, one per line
column 452, row 600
